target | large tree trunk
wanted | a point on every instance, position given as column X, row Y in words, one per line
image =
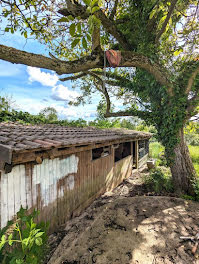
column 182, row 169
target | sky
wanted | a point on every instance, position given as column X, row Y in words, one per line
column 33, row 89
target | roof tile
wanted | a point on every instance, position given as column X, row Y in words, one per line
column 20, row 137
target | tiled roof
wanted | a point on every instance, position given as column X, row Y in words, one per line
column 17, row 137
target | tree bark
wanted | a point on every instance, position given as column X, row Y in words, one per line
column 182, row 169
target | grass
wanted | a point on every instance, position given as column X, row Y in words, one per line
column 156, row 148
column 194, row 151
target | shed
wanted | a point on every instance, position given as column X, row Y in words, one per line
column 60, row 170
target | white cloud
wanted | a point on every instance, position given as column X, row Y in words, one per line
column 46, row 79
column 8, row 69
column 62, row 93
column 33, row 106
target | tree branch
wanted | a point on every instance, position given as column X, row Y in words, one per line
column 113, row 12
column 162, row 30
column 112, row 75
column 192, row 104
column 93, row 61
column 72, row 78
column 96, row 39
column 119, row 114
column 78, row 10
column 191, row 80
column 108, row 103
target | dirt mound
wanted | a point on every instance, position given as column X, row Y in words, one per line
column 131, row 230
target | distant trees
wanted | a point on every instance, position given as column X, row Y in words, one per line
column 6, row 103
column 50, row 113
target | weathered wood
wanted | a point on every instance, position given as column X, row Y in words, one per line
column 136, row 154
column 143, row 160
column 39, row 160
column 27, row 156
column 61, row 187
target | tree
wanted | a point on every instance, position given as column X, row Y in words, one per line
column 158, row 38
column 50, row 113
column 6, row 103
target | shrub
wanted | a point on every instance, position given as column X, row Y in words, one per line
column 155, row 148
column 23, row 241
column 192, row 139
column 196, row 189
column 159, row 180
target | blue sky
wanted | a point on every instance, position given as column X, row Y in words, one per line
column 32, row 89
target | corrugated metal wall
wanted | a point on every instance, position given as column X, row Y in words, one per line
column 61, row 187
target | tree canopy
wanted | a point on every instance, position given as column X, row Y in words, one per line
column 50, row 113
column 157, row 77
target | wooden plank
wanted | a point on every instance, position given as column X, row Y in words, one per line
column 34, row 186
column 10, row 195
column 143, row 160
column 17, row 188
column 37, row 169
column 28, row 185
column 136, row 154
column 4, row 198
column 23, row 185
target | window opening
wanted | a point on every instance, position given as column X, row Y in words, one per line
column 123, row 150
column 134, row 152
column 143, row 148
column 101, row 152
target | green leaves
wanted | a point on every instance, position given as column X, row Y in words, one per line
column 177, row 52
column 26, row 242
column 92, row 6
column 95, row 9
column 19, row 261
column 38, row 241
column 72, row 29
column 75, row 42
column 84, row 43
column 63, row 19
column 87, row 2
column 3, row 241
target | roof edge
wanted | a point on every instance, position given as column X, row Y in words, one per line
column 5, row 156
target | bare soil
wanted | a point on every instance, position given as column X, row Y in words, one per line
column 129, row 225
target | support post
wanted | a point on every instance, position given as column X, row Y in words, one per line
column 136, row 154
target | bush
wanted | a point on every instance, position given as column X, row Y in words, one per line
column 192, row 139
column 155, row 150
column 23, row 241
column 196, row 189
column 159, row 180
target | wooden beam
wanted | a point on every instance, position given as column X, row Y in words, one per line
column 136, row 154
column 56, row 152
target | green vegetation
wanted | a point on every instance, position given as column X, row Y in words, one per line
column 157, row 39
column 156, row 150
column 194, row 151
column 23, row 241
column 159, row 179
column 49, row 115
